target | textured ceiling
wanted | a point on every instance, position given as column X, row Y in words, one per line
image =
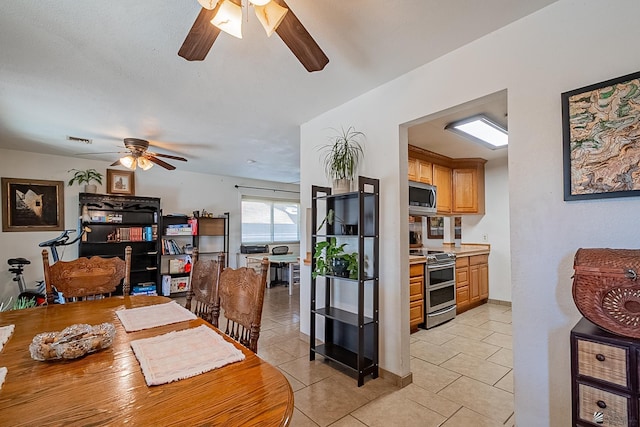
column 110, row 70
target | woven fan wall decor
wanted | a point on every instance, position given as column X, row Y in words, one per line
column 606, row 290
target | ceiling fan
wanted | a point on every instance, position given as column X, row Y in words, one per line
column 139, row 156
column 274, row 15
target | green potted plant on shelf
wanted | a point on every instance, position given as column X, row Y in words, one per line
column 342, row 157
column 86, row 177
column 332, row 260
column 331, row 218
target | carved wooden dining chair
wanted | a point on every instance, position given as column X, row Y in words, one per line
column 202, row 295
column 86, row 278
column 241, row 298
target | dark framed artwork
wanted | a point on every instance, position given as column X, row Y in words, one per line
column 120, row 182
column 601, row 139
column 32, row 205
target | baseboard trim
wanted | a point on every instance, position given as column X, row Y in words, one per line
column 499, row 302
column 397, row 379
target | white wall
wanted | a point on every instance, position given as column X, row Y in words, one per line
column 567, row 45
column 180, row 192
column 495, row 225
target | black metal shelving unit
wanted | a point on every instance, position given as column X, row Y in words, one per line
column 350, row 336
column 116, row 222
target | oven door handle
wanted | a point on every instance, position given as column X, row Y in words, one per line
column 441, row 312
column 441, row 285
column 434, row 267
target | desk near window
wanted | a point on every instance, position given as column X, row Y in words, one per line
column 291, row 260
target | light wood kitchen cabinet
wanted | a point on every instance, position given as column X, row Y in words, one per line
column 462, row 284
column 420, row 171
column 416, row 295
column 442, row 181
column 472, row 281
column 478, row 278
column 412, row 169
column 466, row 189
column 460, row 182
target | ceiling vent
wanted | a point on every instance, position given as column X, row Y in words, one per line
column 81, row 140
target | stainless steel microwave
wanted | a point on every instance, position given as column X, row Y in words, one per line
column 422, row 198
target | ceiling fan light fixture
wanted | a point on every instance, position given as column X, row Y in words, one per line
column 128, row 162
column 229, row 18
column 144, row 163
column 270, row 15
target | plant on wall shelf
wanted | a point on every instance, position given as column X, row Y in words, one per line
column 342, row 157
column 86, row 177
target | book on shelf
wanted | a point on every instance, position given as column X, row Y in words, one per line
column 166, row 285
column 178, row 230
column 144, row 288
column 176, row 266
column 193, row 223
column 179, row 284
column 170, row 247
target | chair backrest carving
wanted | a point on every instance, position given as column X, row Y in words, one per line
column 241, row 298
column 202, row 295
column 86, row 277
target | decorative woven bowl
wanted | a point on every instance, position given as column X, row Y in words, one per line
column 606, row 290
column 72, row 342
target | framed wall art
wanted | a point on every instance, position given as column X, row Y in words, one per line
column 32, row 205
column 601, row 139
column 120, row 182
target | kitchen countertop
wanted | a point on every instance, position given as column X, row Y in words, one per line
column 464, row 250
column 417, row 259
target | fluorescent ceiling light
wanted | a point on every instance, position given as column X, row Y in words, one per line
column 482, row 130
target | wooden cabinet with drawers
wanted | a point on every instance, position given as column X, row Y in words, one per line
column 604, row 374
column 462, row 284
column 416, row 295
column 472, row 281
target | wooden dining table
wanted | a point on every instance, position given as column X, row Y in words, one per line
column 108, row 387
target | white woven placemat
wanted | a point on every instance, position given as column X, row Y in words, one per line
column 135, row 319
column 183, row 354
column 5, row 334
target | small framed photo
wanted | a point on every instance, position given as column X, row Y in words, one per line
column 120, row 182
column 32, row 205
column 601, row 142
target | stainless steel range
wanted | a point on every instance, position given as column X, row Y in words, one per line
column 440, row 286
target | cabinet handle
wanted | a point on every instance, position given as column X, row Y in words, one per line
column 600, row 357
column 601, row 404
column 151, row 268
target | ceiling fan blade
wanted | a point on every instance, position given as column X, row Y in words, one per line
column 160, row 162
column 116, row 163
column 201, row 36
column 182, row 159
column 298, row 39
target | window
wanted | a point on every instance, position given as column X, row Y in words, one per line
column 270, row 221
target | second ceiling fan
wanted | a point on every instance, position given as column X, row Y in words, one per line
column 274, row 15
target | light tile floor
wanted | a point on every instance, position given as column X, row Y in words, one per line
column 462, row 373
